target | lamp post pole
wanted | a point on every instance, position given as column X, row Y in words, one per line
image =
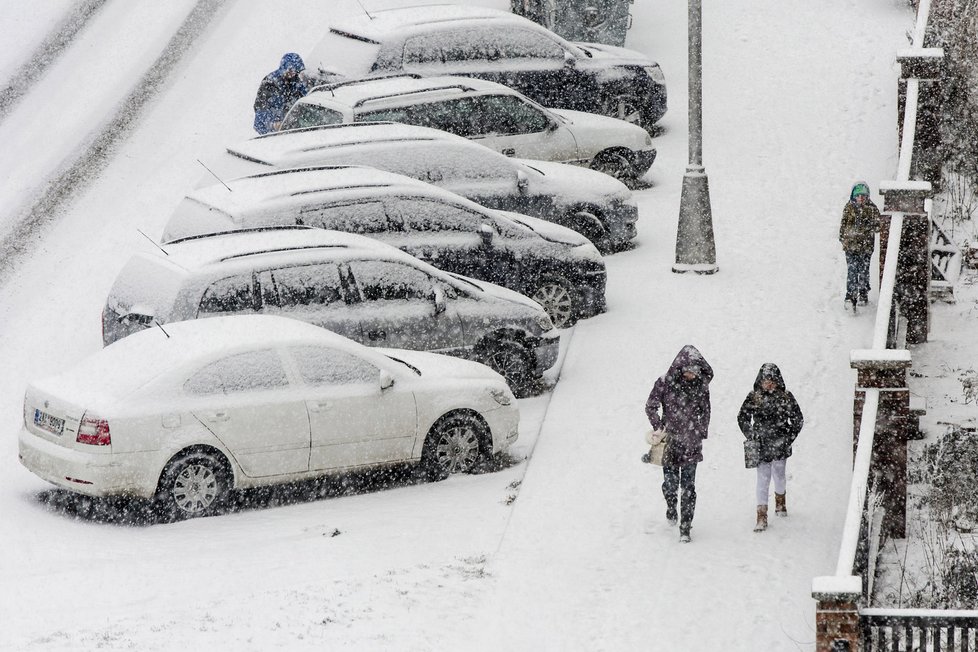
column 695, row 245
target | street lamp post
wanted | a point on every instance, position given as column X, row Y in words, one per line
column 695, row 246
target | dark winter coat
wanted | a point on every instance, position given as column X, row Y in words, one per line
column 859, row 226
column 773, row 418
column 277, row 93
column 682, row 407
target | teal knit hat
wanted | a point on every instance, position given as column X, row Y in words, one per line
column 859, row 189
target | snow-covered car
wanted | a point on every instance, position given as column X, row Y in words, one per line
column 556, row 267
column 187, row 412
column 498, row 46
column 489, row 113
column 363, row 289
column 595, row 205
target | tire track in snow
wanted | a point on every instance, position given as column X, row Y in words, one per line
column 45, row 54
column 86, row 164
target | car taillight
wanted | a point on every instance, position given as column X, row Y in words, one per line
column 93, row 431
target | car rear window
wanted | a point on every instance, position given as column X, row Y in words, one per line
column 310, row 115
column 344, row 54
column 147, row 285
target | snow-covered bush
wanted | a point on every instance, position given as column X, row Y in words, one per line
column 950, row 468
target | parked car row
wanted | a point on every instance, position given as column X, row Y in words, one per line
column 556, row 267
column 401, row 214
column 595, row 205
column 497, row 46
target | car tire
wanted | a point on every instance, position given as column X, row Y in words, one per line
column 195, row 483
column 618, row 164
column 558, row 298
column 511, row 361
column 626, row 106
column 455, row 444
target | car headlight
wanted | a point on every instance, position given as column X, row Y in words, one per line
column 500, row 396
column 655, row 74
column 543, row 321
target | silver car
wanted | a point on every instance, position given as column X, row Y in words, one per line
column 365, row 290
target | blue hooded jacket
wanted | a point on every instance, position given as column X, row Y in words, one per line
column 278, row 92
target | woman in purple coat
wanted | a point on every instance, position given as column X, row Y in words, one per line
column 679, row 404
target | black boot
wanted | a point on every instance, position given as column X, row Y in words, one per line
column 671, row 514
column 684, row 529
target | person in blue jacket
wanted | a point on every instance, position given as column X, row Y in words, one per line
column 278, row 91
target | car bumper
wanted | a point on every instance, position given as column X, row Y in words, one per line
column 545, row 351
column 92, row 474
column 643, row 160
column 620, row 223
column 592, row 294
column 504, row 424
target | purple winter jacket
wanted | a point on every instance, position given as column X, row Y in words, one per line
column 682, row 407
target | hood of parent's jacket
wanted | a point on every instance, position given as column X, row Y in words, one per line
column 689, row 357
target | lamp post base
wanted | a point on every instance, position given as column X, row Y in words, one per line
column 695, row 245
column 703, row 268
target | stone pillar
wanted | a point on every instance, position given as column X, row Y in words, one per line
column 913, row 263
column 886, row 370
column 836, row 613
column 925, row 65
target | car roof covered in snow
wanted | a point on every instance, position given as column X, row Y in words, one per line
column 299, row 146
column 364, row 93
column 380, row 25
column 130, row 363
column 200, row 251
column 301, row 186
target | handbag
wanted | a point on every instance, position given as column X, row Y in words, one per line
column 657, row 440
column 752, row 453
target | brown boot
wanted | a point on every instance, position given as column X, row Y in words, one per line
column 761, row 518
column 779, row 507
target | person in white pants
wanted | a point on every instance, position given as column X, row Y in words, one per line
column 771, row 417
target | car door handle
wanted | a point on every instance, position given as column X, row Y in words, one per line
column 509, row 151
column 320, row 406
column 218, row 416
column 377, row 335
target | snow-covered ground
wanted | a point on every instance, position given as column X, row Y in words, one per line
column 569, row 548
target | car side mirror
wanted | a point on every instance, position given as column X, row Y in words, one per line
column 486, row 232
column 552, row 125
column 137, row 315
column 522, row 181
column 570, row 61
column 386, row 380
column 438, row 296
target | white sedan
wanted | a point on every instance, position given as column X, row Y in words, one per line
column 188, row 413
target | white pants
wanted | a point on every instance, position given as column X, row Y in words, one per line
column 764, row 472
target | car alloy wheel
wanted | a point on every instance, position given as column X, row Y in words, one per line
column 194, row 484
column 556, row 298
column 454, row 445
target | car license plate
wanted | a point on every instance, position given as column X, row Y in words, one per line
column 45, row 421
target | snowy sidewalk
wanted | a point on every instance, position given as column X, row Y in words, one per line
column 588, row 561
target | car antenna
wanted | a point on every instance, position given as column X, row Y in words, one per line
column 153, row 241
column 160, row 326
column 214, row 175
column 365, row 10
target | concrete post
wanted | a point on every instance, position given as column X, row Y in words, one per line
column 887, row 371
column 913, row 264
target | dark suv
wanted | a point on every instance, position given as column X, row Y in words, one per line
column 500, row 47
